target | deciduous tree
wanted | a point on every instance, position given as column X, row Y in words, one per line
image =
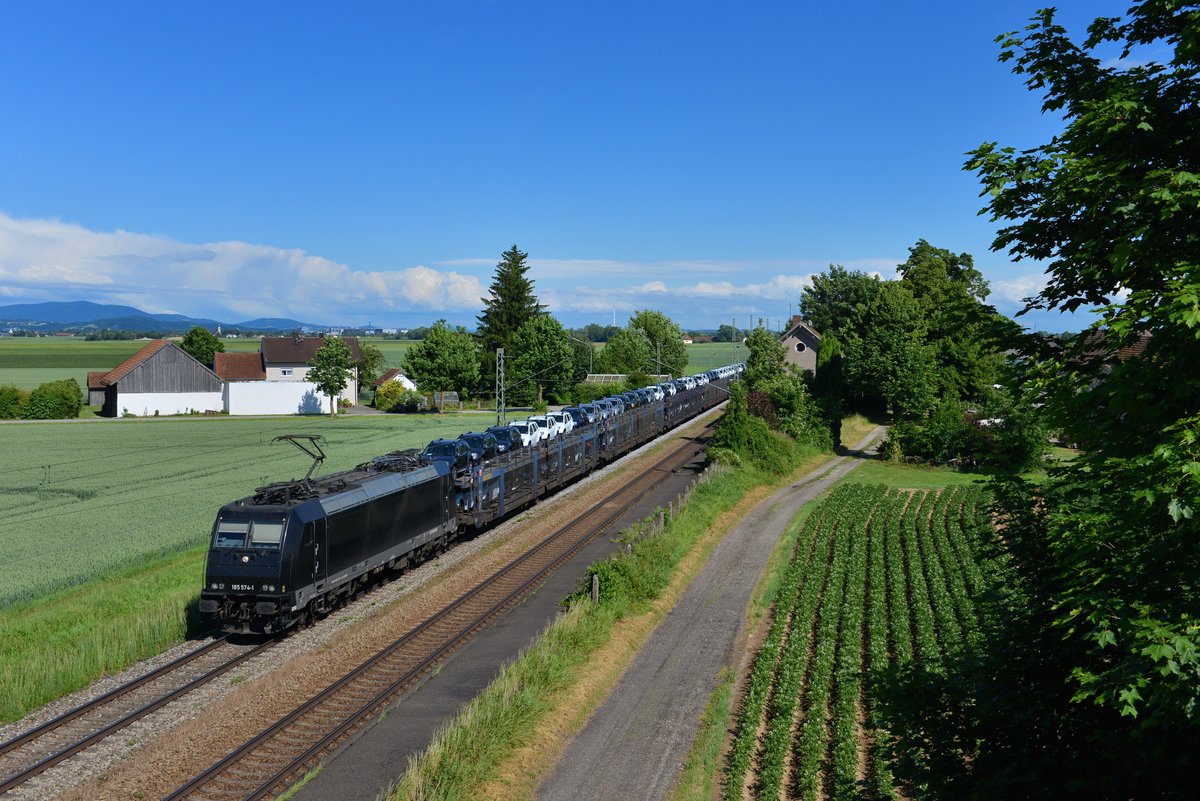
column 202, row 345
column 447, row 360
column 542, row 358
column 627, row 351
column 665, row 339
column 331, row 370
column 1094, row 655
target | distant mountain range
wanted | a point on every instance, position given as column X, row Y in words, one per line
column 84, row 315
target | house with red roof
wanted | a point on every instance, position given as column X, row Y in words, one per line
column 160, row 379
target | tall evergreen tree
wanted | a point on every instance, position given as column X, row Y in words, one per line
column 511, row 304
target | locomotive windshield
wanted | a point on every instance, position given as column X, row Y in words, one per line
column 257, row 534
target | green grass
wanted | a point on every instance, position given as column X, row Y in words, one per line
column 393, row 349
column 909, row 476
column 465, row 755
column 703, row 356
column 81, row 500
column 63, row 641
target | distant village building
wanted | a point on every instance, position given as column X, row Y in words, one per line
column 160, row 379
column 800, row 344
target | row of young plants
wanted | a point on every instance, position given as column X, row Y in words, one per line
column 878, row 577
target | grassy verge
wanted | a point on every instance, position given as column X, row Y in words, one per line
column 65, row 640
column 507, row 716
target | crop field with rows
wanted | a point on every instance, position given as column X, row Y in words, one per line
column 879, row 576
column 80, row 499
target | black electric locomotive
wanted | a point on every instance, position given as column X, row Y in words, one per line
column 299, row 548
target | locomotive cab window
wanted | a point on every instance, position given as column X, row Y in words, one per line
column 231, row 535
column 266, row 535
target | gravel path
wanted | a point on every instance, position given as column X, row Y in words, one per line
column 635, row 744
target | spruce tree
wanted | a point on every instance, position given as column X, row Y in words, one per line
column 511, row 305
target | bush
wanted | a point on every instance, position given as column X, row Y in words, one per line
column 387, row 395
column 1003, row 431
column 54, row 400
column 10, row 402
column 588, row 391
column 751, row 439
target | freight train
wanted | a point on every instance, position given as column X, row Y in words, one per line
column 297, row 549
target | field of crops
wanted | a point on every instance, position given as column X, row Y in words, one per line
column 878, row 576
column 79, row 499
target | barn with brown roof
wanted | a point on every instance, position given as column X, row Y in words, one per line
column 161, row 378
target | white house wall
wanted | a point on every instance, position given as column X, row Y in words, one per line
column 274, row 397
column 145, row 404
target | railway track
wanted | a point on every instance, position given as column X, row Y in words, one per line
column 55, row 741
column 280, row 755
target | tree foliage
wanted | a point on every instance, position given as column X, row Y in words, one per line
column 447, row 360
column 627, row 351
column 54, row 400
column 371, row 363
column 837, row 300
column 510, row 304
column 202, row 345
column 727, row 333
column 966, row 337
column 1095, row 658
column 331, row 369
column 665, row 339
column 888, row 356
column 542, row 359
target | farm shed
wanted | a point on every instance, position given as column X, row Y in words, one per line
column 161, row 378
column 800, row 344
column 95, row 387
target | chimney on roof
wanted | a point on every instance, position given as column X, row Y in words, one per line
column 297, row 336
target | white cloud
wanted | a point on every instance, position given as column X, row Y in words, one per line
column 1015, row 290
column 53, row 260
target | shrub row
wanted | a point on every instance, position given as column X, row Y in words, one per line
column 53, row 400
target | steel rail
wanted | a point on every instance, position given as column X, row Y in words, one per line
column 634, row 490
column 113, row 695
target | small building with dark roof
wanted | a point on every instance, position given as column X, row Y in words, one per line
column 800, row 344
column 287, row 358
column 393, row 374
column 160, row 379
column 95, row 387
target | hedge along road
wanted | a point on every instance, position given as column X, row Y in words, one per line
column 636, row 743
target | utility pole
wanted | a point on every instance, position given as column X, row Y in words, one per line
column 499, row 386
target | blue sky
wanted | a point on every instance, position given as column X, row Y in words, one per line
column 369, row 162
